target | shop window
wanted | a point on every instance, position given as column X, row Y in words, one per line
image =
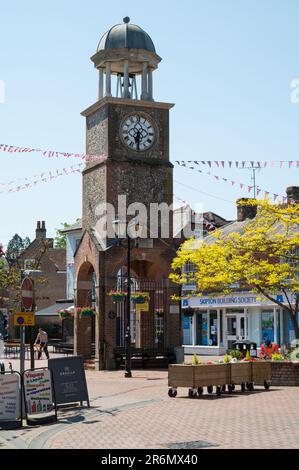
column 189, row 270
column 267, row 323
column 202, row 329
column 213, row 333
column 187, row 330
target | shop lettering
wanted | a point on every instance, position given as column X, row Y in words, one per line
column 228, row 300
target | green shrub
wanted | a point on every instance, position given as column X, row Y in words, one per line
column 236, row 354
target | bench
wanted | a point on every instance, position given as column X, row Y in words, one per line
column 143, row 358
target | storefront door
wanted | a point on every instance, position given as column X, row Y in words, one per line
column 235, row 328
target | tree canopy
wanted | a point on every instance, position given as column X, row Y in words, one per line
column 262, row 256
column 15, row 247
column 60, row 239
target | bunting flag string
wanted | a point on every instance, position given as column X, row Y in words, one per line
column 201, row 217
column 244, row 163
column 50, row 153
column 44, row 177
column 40, row 176
column 233, row 182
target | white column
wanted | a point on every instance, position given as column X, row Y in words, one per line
column 126, row 80
column 194, row 329
column 275, row 324
column 108, row 79
column 101, row 83
column 245, row 323
column 281, row 325
column 144, row 82
column 218, row 327
column 150, row 84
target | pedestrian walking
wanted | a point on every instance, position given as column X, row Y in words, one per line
column 42, row 340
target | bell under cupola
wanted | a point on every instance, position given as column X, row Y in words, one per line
column 126, row 57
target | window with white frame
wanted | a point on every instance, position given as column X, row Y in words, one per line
column 29, row 263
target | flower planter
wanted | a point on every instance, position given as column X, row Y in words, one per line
column 65, row 316
column 117, row 296
column 206, row 375
column 181, row 375
column 85, row 312
column 261, row 372
column 240, row 373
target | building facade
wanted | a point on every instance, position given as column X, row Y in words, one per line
column 211, row 324
column 129, row 133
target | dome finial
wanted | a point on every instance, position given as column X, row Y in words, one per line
column 126, row 19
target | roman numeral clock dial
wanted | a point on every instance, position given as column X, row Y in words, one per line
column 137, row 132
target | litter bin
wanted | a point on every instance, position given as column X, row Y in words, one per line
column 244, row 346
column 179, row 354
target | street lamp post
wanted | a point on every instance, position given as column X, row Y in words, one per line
column 128, row 372
column 121, row 231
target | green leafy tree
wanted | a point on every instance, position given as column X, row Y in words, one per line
column 262, row 256
column 15, row 247
column 60, row 239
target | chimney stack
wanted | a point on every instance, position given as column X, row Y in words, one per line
column 40, row 232
column 245, row 212
column 292, row 194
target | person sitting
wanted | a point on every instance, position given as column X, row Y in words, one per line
column 268, row 348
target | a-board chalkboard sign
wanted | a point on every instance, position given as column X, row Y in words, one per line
column 10, row 400
column 39, row 396
column 69, row 380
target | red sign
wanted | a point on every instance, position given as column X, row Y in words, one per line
column 27, row 293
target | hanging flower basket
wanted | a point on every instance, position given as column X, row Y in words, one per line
column 64, row 314
column 117, row 296
column 85, row 311
column 139, row 298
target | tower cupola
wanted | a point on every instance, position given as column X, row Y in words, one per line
column 127, row 53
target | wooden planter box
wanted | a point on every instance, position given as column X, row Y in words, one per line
column 181, row 375
column 211, row 374
column 261, row 372
column 240, row 372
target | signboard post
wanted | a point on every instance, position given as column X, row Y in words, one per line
column 27, row 299
column 39, row 396
column 10, row 400
column 69, row 380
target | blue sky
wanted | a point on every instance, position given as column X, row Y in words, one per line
column 227, row 64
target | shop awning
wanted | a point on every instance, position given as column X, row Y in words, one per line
column 54, row 309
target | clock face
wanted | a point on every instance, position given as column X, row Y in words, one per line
column 138, row 132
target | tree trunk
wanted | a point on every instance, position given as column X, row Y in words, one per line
column 293, row 316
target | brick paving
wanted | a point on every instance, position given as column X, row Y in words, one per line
column 137, row 413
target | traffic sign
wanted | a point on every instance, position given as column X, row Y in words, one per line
column 27, row 293
column 24, row 319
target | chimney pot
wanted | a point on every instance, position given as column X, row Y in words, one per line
column 245, row 212
column 41, row 231
column 292, row 194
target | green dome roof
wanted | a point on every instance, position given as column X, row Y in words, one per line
column 126, row 36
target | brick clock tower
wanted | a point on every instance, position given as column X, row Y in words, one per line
column 128, row 133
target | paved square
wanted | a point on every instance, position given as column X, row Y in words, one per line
column 137, row 413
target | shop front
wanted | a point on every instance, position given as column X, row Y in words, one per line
column 212, row 324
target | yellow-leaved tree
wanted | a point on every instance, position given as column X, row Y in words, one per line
column 260, row 254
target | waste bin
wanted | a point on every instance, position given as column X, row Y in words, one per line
column 244, row 346
column 179, row 354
